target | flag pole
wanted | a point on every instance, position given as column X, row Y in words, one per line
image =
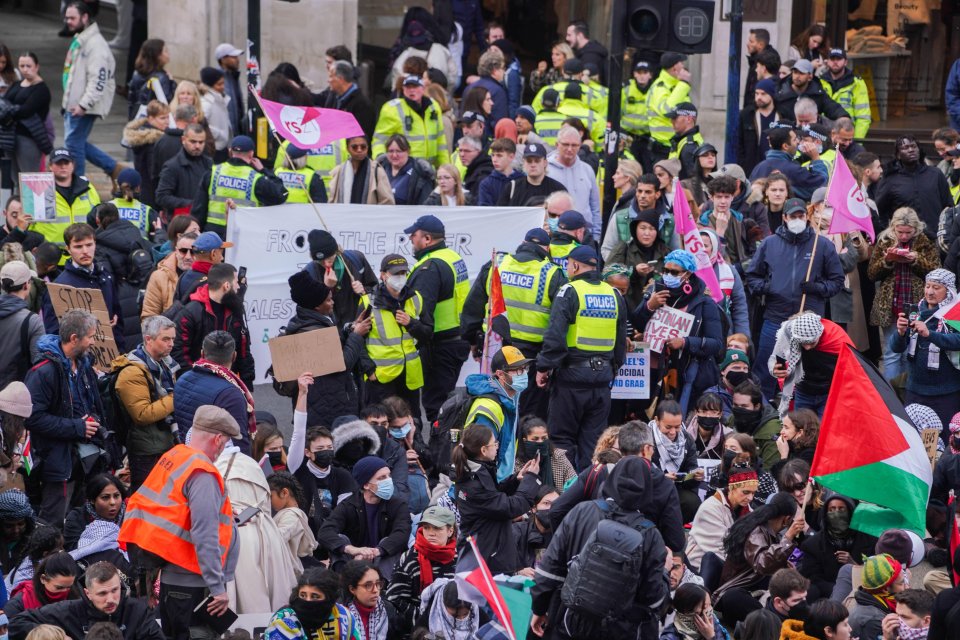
column 486, row 334
column 256, row 95
column 816, row 230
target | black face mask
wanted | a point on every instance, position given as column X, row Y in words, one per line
column 708, row 423
column 799, row 611
column 956, row 442
column 312, row 613
column 734, row 378
column 543, row 517
column 531, row 449
column 746, row 419
column 323, row 459
column 275, row 458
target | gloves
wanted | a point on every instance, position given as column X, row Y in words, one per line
column 810, row 288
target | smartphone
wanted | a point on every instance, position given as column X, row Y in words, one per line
column 782, row 361
column 246, row 515
column 912, row 311
column 242, row 274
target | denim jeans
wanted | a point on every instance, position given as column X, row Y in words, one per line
column 893, row 363
column 768, row 338
column 76, row 131
column 816, row 403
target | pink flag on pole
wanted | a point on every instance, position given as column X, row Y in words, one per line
column 310, row 127
column 850, row 210
column 688, row 230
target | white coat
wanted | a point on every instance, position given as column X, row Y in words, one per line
column 90, row 83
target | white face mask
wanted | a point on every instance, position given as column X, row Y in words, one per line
column 396, row 282
column 796, row 226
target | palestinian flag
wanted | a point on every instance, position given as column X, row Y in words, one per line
column 26, row 452
column 950, row 315
column 475, row 584
column 869, row 450
column 497, row 326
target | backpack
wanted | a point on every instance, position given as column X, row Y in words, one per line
column 173, row 311
column 113, row 408
column 445, row 431
column 605, row 574
column 139, row 267
column 23, row 364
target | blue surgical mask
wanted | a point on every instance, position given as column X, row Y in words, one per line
column 384, row 489
column 553, row 223
column 672, row 281
column 400, row 432
column 520, row 381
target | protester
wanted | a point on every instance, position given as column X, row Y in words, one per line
column 179, row 177
column 883, row 579
column 676, row 455
column 411, row 179
column 105, row 501
column 360, row 180
column 534, row 442
column 717, row 514
column 54, row 580
column 375, row 618
column 313, row 609
column 21, row 329
column 694, row 618
column 836, row 545
column 286, row 496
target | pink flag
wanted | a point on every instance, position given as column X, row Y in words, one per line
column 310, row 127
column 850, row 210
column 687, row 228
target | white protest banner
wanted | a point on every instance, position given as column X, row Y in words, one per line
column 633, row 378
column 666, row 324
column 272, row 243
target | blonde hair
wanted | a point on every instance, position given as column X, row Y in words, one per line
column 630, row 169
column 563, row 48
column 904, row 216
column 439, row 95
column 458, row 188
column 192, row 87
column 46, row 632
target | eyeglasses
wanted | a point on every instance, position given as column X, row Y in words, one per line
column 373, row 585
column 674, row 272
column 184, row 252
column 800, row 486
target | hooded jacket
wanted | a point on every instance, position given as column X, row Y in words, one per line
column 14, row 319
column 89, row 69
column 819, row 563
column 133, row 616
column 354, row 438
column 115, row 243
column 478, row 170
column 866, row 619
column 786, row 99
column 98, row 278
column 481, row 384
column 488, row 191
column 923, row 189
column 141, row 136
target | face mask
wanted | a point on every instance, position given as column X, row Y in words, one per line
column 799, row 611
column 520, row 381
column 401, row 432
column 796, row 226
column 553, row 224
column 746, row 419
column 384, row 489
column 275, row 458
column 955, row 442
column 323, row 459
column 312, row 613
column 906, row 632
column 531, row 449
column 838, row 522
column 396, row 282
column 542, row 516
column 671, row 281
column 708, row 423
column 734, row 378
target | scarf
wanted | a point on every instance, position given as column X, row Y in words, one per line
column 376, row 627
column 446, row 626
column 30, row 599
column 886, row 598
column 428, row 553
column 909, row 633
column 671, row 453
column 92, row 513
column 235, row 380
column 686, row 625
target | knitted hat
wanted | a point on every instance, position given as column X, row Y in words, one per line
column 670, row 165
column 734, row 355
column 15, row 506
column 15, row 399
column 896, row 543
column 306, row 291
column 650, row 216
column 322, row 244
column 366, row 468
column 768, row 86
column 955, row 423
column 880, row 571
column 526, row 112
column 683, row 258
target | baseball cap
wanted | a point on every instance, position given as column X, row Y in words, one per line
column 129, row 176
column 469, row 117
column 226, row 49
column 819, row 195
column 438, row 516
column 428, row 223
column 732, row 170
column 208, row 241
column 683, row 109
column 242, row 144
column 534, row 150
column 573, row 66
column 394, row 263
column 551, row 98
column 411, row 80
column 793, row 205
column 213, row 419
column 294, row 152
column 670, row 58
column 586, row 255
column 803, row 66
column 60, row 154
column 17, row 272
column 508, row 358
column 571, row 220
column 704, row 149
column 537, row 236
column 642, row 65
column 837, row 53
column 573, row 91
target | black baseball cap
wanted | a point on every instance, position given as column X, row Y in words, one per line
column 837, row 53
column 241, row 144
column 683, row 109
column 469, row 117
column 60, row 154
column 534, row 150
column 394, row 263
column 538, row 236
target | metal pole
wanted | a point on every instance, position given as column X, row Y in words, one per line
column 253, row 70
column 733, row 81
column 611, row 139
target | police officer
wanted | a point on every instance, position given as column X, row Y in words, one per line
column 634, row 119
column 75, row 198
column 549, row 120
column 440, row 277
column 818, row 134
column 670, row 88
column 686, row 138
column 571, row 233
column 302, row 182
column 321, row 160
column 848, row 90
column 529, row 281
column 572, row 74
column 131, row 209
column 240, row 181
column 395, row 314
column 419, row 119
column 583, row 348
column 574, row 107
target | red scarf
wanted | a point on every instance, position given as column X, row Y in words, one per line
column 428, row 552
column 30, row 599
column 201, row 266
column 234, row 379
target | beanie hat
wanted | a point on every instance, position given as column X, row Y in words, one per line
column 15, row 399
column 527, row 113
column 306, row 291
column 895, row 543
column 734, row 355
column 670, row 165
column 880, row 571
column 15, row 506
column 650, row 216
column 955, row 423
column 210, row 76
column 366, row 468
column 322, row 244
column 768, row 86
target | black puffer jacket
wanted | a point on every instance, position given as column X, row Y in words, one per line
column 115, row 243
column 347, row 524
column 136, row 620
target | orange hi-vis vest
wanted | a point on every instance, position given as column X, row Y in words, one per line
column 158, row 516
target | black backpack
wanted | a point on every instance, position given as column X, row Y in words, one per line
column 140, row 266
column 113, row 408
column 445, row 431
column 606, row 572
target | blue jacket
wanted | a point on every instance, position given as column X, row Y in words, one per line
column 59, row 406
column 491, row 186
column 803, row 180
column 198, row 387
column 952, row 95
column 779, row 268
column 497, row 92
column 479, row 384
column 100, row 278
column 514, row 80
column 921, row 379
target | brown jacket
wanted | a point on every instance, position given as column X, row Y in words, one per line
column 145, row 435
column 764, row 553
column 884, row 274
column 159, row 294
column 378, row 185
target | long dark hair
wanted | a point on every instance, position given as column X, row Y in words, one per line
column 7, row 72
column 782, row 504
column 802, row 41
column 101, row 481
column 57, row 564
column 472, row 440
column 148, row 60
column 688, row 597
column 528, row 424
column 473, row 101
column 824, row 613
column 761, row 624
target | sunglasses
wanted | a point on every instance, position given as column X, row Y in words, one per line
column 358, row 147
column 184, row 252
column 674, row 272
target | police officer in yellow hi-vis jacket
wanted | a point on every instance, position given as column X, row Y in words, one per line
column 419, row 119
column 241, row 181
column 395, row 327
column 583, row 348
column 75, row 198
column 302, row 182
column 440, row 277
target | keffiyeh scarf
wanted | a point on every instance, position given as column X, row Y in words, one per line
column 806, row 328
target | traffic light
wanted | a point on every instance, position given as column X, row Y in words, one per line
column 685, row 26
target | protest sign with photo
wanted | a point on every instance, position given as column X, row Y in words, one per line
column 38, row 194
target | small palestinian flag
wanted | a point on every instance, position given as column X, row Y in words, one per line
column 869, row 450
column 951, row 315
column 475, row 584
column 27, row 455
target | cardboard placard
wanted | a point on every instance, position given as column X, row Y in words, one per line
column 633, row 378
column 318, row 352
column 929, row 437
column 65, row 298
column 38, row 193
column 666, row 324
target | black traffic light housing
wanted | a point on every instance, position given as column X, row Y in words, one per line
column 685, row 26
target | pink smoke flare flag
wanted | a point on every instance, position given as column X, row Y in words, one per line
column 310, row 127
column 687, row 228
column 850, row 209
